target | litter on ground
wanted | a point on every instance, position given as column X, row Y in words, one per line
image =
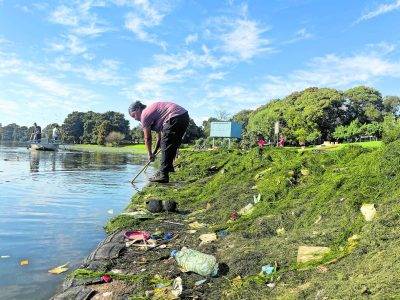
column 197, row 225
column 368, row 211
column 207, row 238
column 308, row 253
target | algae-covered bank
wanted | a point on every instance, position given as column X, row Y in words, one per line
column 263, row 210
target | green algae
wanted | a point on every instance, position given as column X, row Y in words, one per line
column 320, row 207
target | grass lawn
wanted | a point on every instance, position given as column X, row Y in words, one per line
column 370, row 145
column 135, row 149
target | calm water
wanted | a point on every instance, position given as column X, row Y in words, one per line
column 52, row 210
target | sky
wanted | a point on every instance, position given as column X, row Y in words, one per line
column 209, row 56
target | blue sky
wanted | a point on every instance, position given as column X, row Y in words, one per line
column 206, row 55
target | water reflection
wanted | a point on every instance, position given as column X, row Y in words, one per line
column 54, row 205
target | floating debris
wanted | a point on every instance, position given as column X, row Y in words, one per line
column 110, row 211
column 24, row 262
column 5, row 256
column 60, row 269
column 267, row 270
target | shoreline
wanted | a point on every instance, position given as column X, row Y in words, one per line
column 130, row 149
column 260, row 212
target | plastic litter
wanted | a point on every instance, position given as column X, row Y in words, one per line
column 368, row 211
column 106, row 278
column 267, row 270
column 168, row 236
column 24, row 262
column 177, row 287
column 110, row 211
column 248, row 209
column 200, row 282
column 60, row 269
column 197, row 225
column 318, row 219
column 5, row 256
column 308, row 253
column 271, row 285
column 137, row 235
column 280, row 231
column 234, row 216
column 208, row 238
column 222, row 233
column 192, row 231
column 256, row 199
column 194, row 261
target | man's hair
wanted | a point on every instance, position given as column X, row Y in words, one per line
column 136, row 106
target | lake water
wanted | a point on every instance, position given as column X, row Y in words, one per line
column 53, row 206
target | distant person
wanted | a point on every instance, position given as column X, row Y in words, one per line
column 37, row 133
column 281, row 142
column 56, row 133
column 170, row 122
column 261, row 142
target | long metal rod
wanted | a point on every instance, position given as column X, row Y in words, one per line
column 143, row 169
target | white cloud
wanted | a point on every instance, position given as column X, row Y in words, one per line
column 9, row 107
column 245, row 39
column 144, row 17
column 69, row 43
column 300, row 35
column 191, row 38
column 106, row 73
column 65, row 16
column 380, row 10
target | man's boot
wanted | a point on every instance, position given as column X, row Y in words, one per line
column 160, row 177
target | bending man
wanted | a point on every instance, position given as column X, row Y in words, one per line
column 170, row 122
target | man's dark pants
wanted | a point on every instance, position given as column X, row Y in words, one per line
column 171, row 139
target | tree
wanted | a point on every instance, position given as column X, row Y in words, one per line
column 115, row 138
column 392, row 105
column 48, row 130
column 207, row 125
column 137, row 135
column 391, row 129
column 72, row 128
column 102, row 132
column 365, row 104
column 193, row 132
column 243, row 117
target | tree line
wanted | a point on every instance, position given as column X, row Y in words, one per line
column 91, row 128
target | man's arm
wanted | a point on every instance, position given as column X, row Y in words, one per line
column 148, row 142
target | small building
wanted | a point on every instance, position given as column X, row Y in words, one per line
column 226, row 129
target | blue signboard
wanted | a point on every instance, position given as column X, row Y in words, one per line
column 226, row 130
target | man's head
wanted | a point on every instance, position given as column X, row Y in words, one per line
column 34, row 124
column 135, row 110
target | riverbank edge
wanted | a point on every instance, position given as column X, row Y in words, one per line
column 131, row 149
column 264, row 225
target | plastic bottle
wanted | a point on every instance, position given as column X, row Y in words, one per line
column 194, row 261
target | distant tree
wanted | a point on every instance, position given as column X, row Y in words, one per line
column 48, row 130
column 72, row 128
column 223, row 115
column 137, row 135
column 193, row 132
column 115, row 138
column 391, row 129
column 102, row 132
column 207, row 125
column 392, row 105
column 365, row 104
column 242, row 117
